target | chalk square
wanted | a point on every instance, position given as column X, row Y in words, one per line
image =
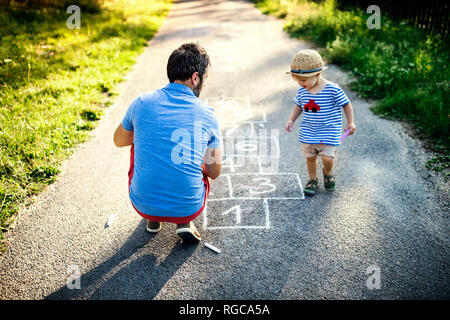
column 265, row 185
column 235, row 110
column 233, row 129
column 251, row 146
column 236, row 164
column 273, row 186
column 236, row 214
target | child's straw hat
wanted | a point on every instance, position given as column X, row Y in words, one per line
column 307, row 63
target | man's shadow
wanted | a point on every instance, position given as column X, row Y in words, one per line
column 125, row 277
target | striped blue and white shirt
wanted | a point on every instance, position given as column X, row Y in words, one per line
column 325, row 124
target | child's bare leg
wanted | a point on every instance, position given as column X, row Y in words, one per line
column 328, row 163
column 311, row 164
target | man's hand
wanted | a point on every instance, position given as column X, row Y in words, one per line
column 212, row 163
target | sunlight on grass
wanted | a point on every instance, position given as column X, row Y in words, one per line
column 55, row 83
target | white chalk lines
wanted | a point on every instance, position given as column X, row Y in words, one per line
column 239, row 198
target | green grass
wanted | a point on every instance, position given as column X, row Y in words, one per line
column 55, row 84
column 403, row 68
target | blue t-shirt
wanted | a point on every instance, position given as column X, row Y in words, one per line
column 172, row 129
column 325, row 125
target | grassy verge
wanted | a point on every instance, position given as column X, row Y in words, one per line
column 406, row 70
column 55, row 83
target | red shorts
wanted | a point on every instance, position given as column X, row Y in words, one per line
column 177, row 220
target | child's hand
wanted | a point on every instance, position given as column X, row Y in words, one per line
column 289, row 125
column 351, row 126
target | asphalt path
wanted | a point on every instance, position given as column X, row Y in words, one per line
column 382, row 234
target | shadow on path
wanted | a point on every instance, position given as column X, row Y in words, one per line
column 132, row 273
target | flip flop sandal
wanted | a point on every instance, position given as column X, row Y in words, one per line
column 329, row 182
column 189, row 235
column 311, row 187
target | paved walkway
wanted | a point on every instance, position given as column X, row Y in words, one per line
column 275, row 243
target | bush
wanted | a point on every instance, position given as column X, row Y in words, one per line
column 407, row 70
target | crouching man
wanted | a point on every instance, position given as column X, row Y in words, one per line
column 175, row 146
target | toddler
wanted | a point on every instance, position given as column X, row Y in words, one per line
column 321, row 124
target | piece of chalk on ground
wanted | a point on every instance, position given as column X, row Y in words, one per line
column 110, row 219
column 212, row 248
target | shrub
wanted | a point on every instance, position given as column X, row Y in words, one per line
column 407, row 70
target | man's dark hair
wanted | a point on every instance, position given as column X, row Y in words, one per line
column 187, row 59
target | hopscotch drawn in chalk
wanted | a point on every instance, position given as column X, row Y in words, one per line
column 252, row 146
column 236, row 116
column 249, row 180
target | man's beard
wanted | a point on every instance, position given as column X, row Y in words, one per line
column 198, row 88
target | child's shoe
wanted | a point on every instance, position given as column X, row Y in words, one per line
column 312, row 186
column 329, row 182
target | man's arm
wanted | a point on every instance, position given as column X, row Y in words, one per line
column 122, row 137
column 212, row 164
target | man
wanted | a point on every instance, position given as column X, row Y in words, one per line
column 175, row 146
